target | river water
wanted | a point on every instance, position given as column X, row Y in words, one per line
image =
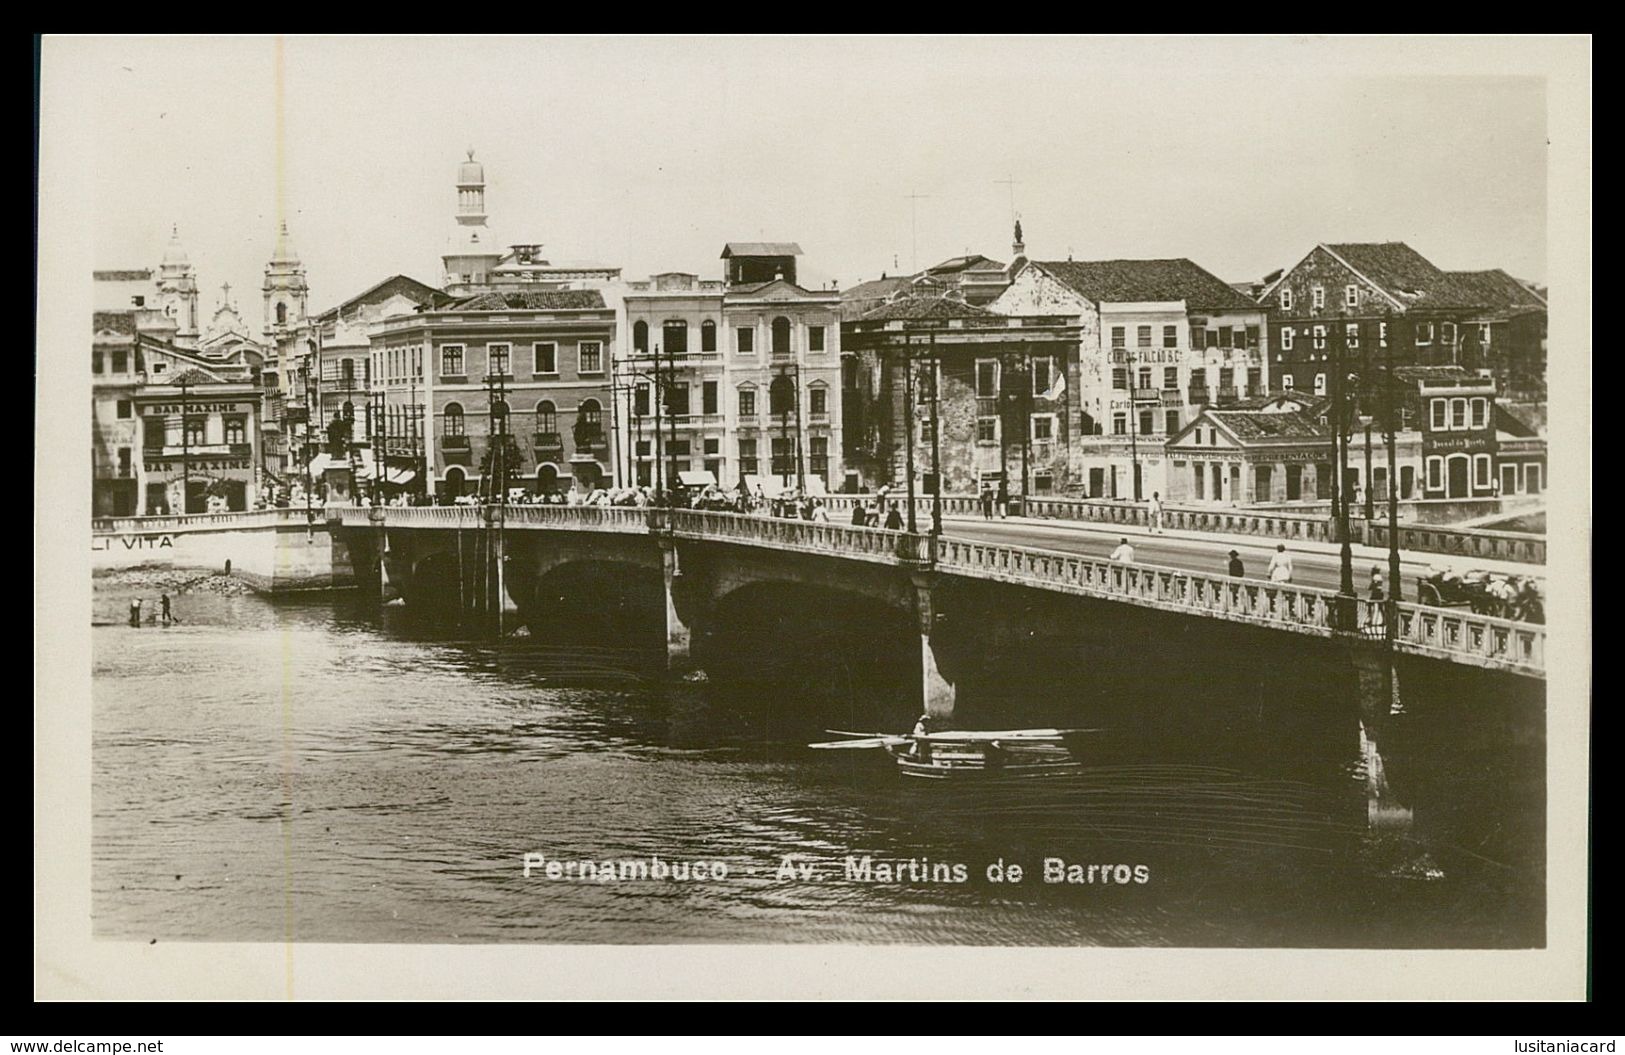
column 334, row 771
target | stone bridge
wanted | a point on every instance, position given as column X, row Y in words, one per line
column 896, row 569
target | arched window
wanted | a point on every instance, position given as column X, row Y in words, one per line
column 708, row 335
column 640, row 337
column 674, row 334
column 455, row 480
column 781, row 336
column 281, row 314
column 453, row 425
column 589, row 429
column 782, row 396
column 547, row 416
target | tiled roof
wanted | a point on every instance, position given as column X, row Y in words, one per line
column 1497, row 289
column 422, row 292
column 1146, row 280
column 1255, row 425
column 115, row 321
column 761, row 249
column 121, row 276
column 1448, row 372
column 530, row 300
column 974, row 261
column 1405, row 274
column 913, row 308
column 876, row 289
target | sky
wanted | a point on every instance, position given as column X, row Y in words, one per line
column 651, row 153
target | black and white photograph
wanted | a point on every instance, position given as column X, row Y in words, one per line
column 887, row 496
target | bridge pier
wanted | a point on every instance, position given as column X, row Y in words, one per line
column 679, row 633
column 936, row 690
column 1379, row 701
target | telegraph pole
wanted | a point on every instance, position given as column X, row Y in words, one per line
column 1340, row 440
column 660, row 450
column 186, row 454
column 914, row 201
column 1390, row 621
column 908, row 429
column 936, row 455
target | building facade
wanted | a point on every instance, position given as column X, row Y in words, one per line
column 984, row 400
column 1372, row 303
column 535, row 368
column 750, row 369
column 1158, row 341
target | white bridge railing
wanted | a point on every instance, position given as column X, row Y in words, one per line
column 1440, row 632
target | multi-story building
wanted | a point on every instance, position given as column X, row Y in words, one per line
column 534, row 367
column 750, row 369
column 1376, row 303
column 999, row 392
column 168, row 422
column 1506, row 336
column 680, row 317
column 1158, row 340
column 783, row 345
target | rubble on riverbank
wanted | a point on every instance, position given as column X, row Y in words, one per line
column 172, row 580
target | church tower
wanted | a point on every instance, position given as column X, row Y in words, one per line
column 472, row 250
column 285, row 289
column 177, row 288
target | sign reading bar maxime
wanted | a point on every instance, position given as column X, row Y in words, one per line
column 198, row 408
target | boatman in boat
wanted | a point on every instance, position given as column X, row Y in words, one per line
column 921, row 748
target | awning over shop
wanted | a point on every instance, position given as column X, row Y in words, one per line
column 697, row 478
column 399, row 477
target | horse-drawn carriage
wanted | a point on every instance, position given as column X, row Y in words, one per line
column 1486, row 593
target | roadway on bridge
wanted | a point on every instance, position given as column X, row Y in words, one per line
column 1206, row 556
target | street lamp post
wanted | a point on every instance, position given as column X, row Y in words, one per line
column 908, row 430
column 936, row 453
column 1340, row 404
column 186, row 453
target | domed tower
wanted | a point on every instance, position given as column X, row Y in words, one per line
column 285, row 289
column 472, row 250
column 177, row 288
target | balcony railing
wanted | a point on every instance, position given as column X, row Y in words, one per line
column 1229, row 395
column 546, row 441
column 455, row 443
column 1199, row 397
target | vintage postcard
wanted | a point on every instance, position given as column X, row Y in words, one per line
column 812, row 515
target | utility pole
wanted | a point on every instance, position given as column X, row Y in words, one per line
column 1340, row 449
column 908, row 429
column 1134, row 425
column 914, row 200
column 659, row 395
column 1390, row 622
column 186, row 454
column 936, row 453
column 1011, row 182
column 795, row 394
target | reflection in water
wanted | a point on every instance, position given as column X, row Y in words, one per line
column 327, row 771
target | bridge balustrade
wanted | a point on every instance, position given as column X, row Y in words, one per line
column 1447, row 633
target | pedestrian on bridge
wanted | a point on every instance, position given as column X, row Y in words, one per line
column 1003, row 498
column 1280, row 564
column 987, row 502
column 1124, row 553
column 1155, row 511
column 894, row 519
column 859, row 515
column 1236, row 569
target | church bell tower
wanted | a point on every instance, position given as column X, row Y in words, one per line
column 286, row 292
